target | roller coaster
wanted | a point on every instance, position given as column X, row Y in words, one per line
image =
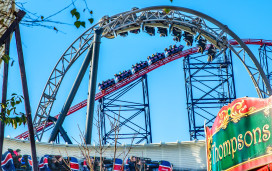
column 182, row 23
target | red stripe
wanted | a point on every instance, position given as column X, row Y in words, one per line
column 74, row 165
column 164, row 168
column 7, row 158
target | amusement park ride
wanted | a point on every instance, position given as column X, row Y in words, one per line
column 208, row 71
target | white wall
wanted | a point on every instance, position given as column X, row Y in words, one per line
column 183, row 155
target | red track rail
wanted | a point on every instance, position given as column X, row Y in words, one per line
column 141, row 73
column 71, row 110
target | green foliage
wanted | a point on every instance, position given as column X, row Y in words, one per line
column 5, row 58
column 91, row 20
column 9, row 108
column 166, row 10
column 79, row 23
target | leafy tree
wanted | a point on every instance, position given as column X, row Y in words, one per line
column 9, row 110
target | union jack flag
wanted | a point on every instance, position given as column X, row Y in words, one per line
column 127, row 165
column 29, row 160
column 7, row 162
column 118, row 165
column 165, row 166
column 74, row 164
column 85, row 166
column 43, row 165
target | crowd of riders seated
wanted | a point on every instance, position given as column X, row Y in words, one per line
column 173, row 49
column 106, row 84
column 139, row 66
column 14, row 161
column 155, row 57
column 122, row 75
column 132, row 163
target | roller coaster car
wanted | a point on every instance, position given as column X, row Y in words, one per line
column 123, row 75
column 132, row 29
column 188, row 38
column 176, row 33
column 212, row 39
column 201, row 44
column 155, row 58
column 106, row 84
column 162, row 31
column 182, row 26
column 211, row 53
column 149, row 27
column 139, row 66
column 173, row 50
column 149, row 30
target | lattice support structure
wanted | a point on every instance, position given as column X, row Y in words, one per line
column 209, row 86
column 133, row 117
column 265, row 59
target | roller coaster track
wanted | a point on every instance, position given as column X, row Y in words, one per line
column 142, row 72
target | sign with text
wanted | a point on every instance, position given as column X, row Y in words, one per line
column 240, row 138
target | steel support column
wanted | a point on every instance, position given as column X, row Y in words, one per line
column 26, row 97
column 62, row 132
column 209, row 86
column 134, row 117
column 92, row 86
column 265, row 59
column 71, row 95
column 4, row 97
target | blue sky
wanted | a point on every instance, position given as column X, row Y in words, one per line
column 43, row 47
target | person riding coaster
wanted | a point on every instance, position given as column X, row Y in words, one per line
column 201, row 44
column 177, row 34
column 188, row 38
column 149, row 30
column 211, row 53
column 162, row 31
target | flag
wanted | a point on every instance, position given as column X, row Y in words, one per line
column 29, row 160
column 74, row 164
column 85, row 167
column 165, row 166
column 118, row 165
column 127, row 165
column 7, row 162
column 43, row 165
